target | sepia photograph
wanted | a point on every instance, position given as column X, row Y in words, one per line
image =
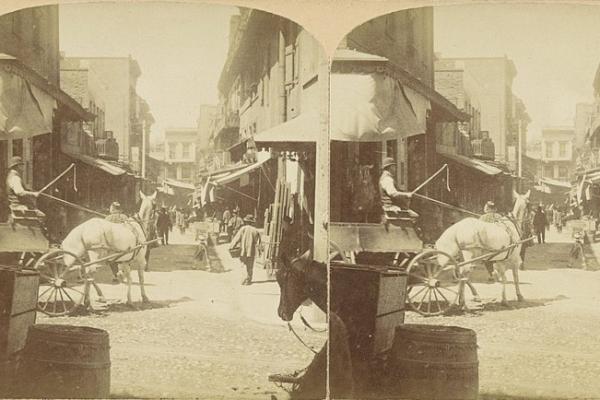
column 211, row 201
column 463, row 204
column 154, row 204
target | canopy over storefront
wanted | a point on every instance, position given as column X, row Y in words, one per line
column 474, row 163
column 298, row 133
column 235, row 175
column 373, row 100
column 27, row 101
column 98, row 163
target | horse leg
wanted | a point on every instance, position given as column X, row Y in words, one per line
column 127, row 268
column 467, row 255
column 141, row 268
column 515, row 270
column 92, row 269
column 502, row 272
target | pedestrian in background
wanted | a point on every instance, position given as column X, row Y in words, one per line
column 225, row 220
column 235, row 224
column 540, row 222
column 248, row 239
column 163, row 225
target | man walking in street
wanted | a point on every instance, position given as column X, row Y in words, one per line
column 225, row 221
column 539, row 224
column 163, row 225
column 248, row 239
column 392, row 200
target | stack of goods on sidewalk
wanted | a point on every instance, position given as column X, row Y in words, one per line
column 274, row 223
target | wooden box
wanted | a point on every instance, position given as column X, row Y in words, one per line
column 370, row 300
column 18, row 304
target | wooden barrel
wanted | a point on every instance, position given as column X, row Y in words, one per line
column 433, row 362
column 64, row 361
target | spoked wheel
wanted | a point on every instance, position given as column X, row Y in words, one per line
column 62, row 287
column 433, row 284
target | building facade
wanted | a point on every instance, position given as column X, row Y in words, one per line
column 180, row 154
column 206, row 122
column 34, row 107
column 502, row 114
column 557, row 157
column 111, row 84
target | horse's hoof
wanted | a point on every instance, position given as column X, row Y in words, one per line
column 101, row 299
column 145, row 300
column 520, row 298
column 476, row 299
column 505, row 304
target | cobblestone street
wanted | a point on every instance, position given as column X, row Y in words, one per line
column 203, row 336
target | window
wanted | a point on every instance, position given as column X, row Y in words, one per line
column 563, row 173
column 186, row 172
column 549, row 149
column 172, row 153
column 549, row 171
column 17, row 147
column 562, row 149
column 391, row 149
column 185, row 151
column 172, row 172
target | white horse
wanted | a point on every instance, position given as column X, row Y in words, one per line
column 99, row 238
column 472, row 238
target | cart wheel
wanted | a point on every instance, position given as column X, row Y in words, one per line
column 62, row 288
column 335, row 252
column 432, row 288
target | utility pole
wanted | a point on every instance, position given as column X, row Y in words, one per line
column 520, row 150
column 144, row 149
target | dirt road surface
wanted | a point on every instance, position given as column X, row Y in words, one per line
column 207, row 337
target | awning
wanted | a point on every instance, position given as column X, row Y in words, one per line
column 474, row 163
column 233, row 176
column 355, row 62
column 303, row 129
column 374, row 107
column 26, row 94
column 557, row 183
column 179, row 184
column 98, row 163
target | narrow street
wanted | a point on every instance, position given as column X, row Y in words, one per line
column 545, row 347
column 203, row 336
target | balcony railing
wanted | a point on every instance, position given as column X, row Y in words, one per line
column 229, row 120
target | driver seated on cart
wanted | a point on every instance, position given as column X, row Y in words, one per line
column 491, row 215
column 394, row 203
column 19, row 198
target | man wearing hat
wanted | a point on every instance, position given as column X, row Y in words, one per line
column 392, row 200
column 248, row 239
column 163, row 225
column 234, row 224
column 17, row 194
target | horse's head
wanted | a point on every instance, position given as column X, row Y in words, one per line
column 297, row 283
column 147, row 206
column 521, row 203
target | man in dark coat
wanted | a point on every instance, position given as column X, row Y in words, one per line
column 163, row 225
column 539, row 224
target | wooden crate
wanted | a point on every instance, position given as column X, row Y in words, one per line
column 18, row 303
column 370, row 300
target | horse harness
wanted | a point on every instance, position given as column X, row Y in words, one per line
column 137, row 247
column 511, row 247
